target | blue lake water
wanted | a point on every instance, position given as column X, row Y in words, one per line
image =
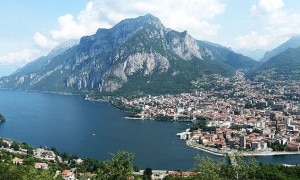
column 96, row 129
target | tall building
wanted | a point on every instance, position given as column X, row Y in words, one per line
column 277, row 129
column 242, row 142
column 273, row 116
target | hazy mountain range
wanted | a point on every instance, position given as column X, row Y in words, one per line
column 293, row 42
column 256, row 54
column 284, row 66
column 137, row 55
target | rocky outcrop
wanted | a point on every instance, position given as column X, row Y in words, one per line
column 184, row 46
column 140, row 63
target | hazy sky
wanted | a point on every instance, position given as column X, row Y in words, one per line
column 32, row 28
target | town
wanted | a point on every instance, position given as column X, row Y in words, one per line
column 226, row 117
column 239, row 114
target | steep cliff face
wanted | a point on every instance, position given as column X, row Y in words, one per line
column 184, row 45
column 134, row 53
column 143, row 64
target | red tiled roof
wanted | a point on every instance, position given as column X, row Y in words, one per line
column 65, row 172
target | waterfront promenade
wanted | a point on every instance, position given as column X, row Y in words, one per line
column 218, row 152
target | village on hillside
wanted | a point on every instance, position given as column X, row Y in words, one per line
column 21, row 154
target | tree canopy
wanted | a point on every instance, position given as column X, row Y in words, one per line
column 120, row 167
column 2, row 118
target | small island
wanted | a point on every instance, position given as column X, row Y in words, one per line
column 2, row 118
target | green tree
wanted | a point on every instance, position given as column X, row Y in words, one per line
column 120, row 167
column 213, row 169
column 243, row 169
column 209, row 169
column 10, row 172
column 147, row 174
column 276, row 146
column 90, row 165
column 15, row 146
column 2, row 118
column 257, row 131
column 29, row 161
column 136, row 168
column 200, row 123
column 33, row 174
column 248, row 106
column 30, row 152
column 2, row 143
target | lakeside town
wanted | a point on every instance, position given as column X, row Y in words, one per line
column 239, row 115
column 236, row 116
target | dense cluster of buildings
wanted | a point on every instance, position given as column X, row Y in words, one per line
column 245, row 114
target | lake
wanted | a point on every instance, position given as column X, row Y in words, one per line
column 96, row 129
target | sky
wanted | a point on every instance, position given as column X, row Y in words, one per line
column 31, row 28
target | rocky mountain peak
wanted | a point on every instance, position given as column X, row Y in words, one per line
column 150, row 19
column 62, row 47
column 136, row 55
column 108, row 39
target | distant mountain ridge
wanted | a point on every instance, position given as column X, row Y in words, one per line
column 227, row 56
column 256, row 54
column 137, row 55
column 293, row 42
column 41, row 61
column 284, row 66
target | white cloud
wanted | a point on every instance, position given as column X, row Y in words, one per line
column 42, row 41
column 275, row 24
column 267, row 6
column 68, row 29
column 19, row 58
column 251, row 41
column 86, row 23
column 191, row 15
column 283, row 23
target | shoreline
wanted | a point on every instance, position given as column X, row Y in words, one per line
column 134, row 118
column 188, row 143
column 155, row 119
column 211, row 151
column 65, row 93
column 96, row 100
column 102, row 100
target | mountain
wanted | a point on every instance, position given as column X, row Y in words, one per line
column 37, row 64
column 256, row 54
column 137, row 55
column 63, row 47
column 293, row 42
column 227, row 56
column 284, row 66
